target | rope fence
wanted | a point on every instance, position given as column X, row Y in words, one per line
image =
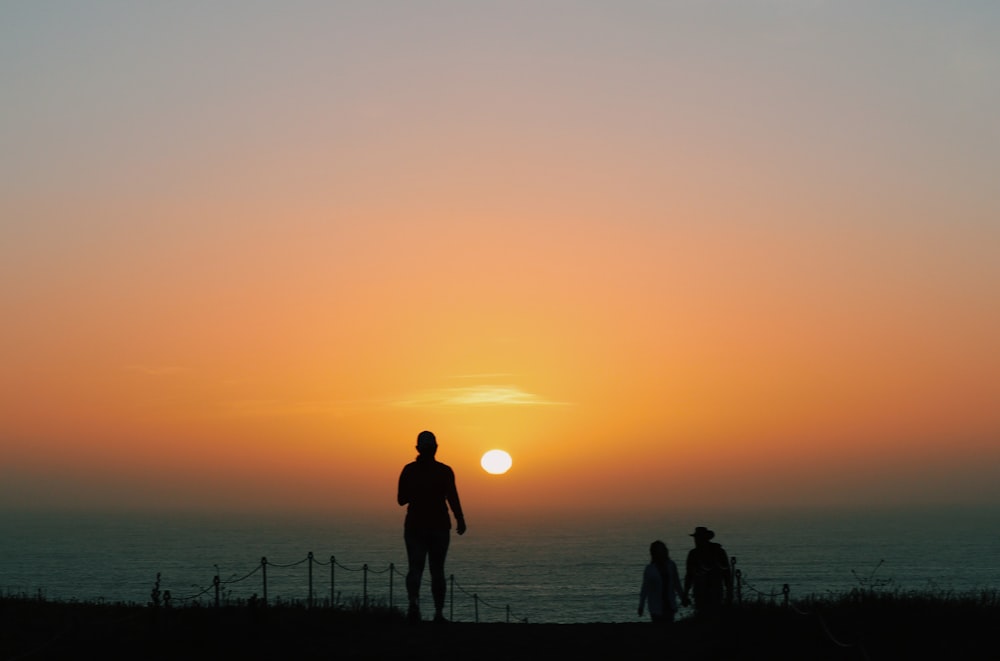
column 740, row 586
column 216, row 591
column 740, row 583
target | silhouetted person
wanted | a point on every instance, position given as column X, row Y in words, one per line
column 661, row 585
column 708, row 573
column 427, row 487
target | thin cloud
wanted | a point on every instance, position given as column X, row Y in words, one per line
column 277, row 407
column 157, row 371
column 485, row 395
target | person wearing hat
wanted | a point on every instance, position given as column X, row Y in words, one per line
column 708, row 573
column 427, row 488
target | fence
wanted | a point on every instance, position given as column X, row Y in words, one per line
column 740, row 583
column 215, row 591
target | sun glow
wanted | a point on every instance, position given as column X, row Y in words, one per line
column 496, row 462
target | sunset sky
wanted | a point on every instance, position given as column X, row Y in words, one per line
column 667, row 254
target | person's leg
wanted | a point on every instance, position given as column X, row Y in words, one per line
column 437, row 551
column 416, row 552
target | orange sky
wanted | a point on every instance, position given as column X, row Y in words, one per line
column 245, row 257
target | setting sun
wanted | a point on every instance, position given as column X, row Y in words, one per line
column 496, row 462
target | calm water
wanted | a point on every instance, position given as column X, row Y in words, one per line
column 544, row 572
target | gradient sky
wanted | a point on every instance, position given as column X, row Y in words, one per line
column 667, row 254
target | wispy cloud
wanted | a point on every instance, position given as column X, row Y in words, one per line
column 277, row 407
column 162, row 370
column 484, row 395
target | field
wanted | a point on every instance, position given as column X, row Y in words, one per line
column 860, row 625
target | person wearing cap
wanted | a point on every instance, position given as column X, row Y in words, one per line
column 427, row 488
column 708, row 573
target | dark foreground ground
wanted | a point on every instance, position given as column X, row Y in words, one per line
column 889, row 628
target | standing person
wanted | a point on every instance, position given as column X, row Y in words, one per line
column 660, row 585
column 708, row 573
column 427, row 487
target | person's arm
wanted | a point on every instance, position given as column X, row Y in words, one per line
column 675, row 581
column 727, row 574
column 455, row 504
column 403, row 490
column 688, row 580
column 643, row 591
column 688, row 575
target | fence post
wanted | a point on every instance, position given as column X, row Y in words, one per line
column 155, row 594
column 508, row 613
column 392, row 570
column 263, row 571
column 217, row 583
column 475, row 602
column 309, row 602
column 333, row 595
column 364, row 588
column 732, row 575
column 785, row 590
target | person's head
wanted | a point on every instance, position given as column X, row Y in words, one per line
column 658, row 552
column 702, row 535
column 426, row 444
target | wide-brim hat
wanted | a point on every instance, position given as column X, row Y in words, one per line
column 701, row 532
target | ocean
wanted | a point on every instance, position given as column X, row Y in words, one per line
column 549, row 570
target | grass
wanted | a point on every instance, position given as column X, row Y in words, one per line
column 861, row 624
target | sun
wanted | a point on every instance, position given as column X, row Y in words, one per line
column 496, row 462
